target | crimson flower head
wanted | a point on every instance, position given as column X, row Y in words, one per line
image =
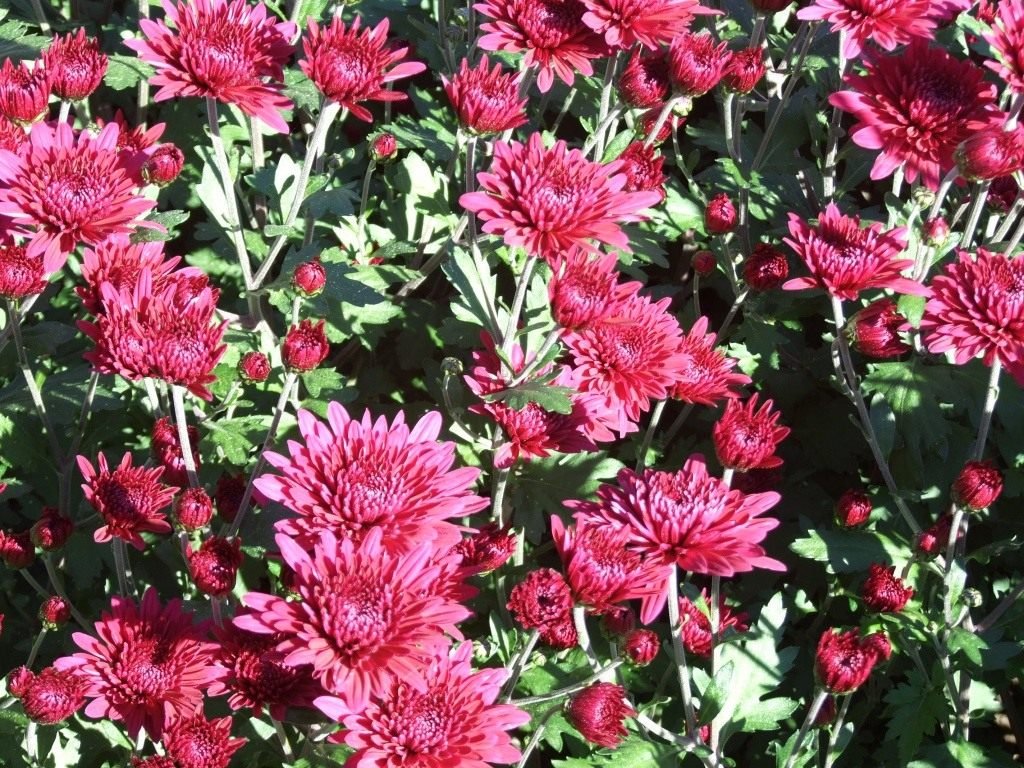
column 193, row 509
column 120, row 262
column 214, row 566
column 977, row 486
column 704, row 263
column 146, row 664
column 845, row 659
column 687, row 518
column 977, row 307
column 875, row 330
column 916, row 107
column 549, row 200
column 641, row 646
column 167, row 451
column 195, row 742
column 991, row 153
column 52, row 530
column 18, row 681
column 853, row 508
column 845, row 258
column 228, row 50
column 130, row 499
column 696, row 63
column 886, row 23
column 644, row 83
column 305, row 346
column 486, row 550
column 164, row 165
column 12, row 135
column 353, row 65
column 652, row 23
column 744, row 71
column 643, row 169
column 65, row 189
column 384, row 148
column 24, row 92
column 76, row 65
column 934, row 539
column 254, row 367
column 696, row 630
column 706, row 374
column 746, row 436
column 365, row 615
column 543, row 601
column 720, row 215
column 54, row 612
column 766, row 268
column 52, row 696
column 16, row 550
column 599, row 713
column 936, row 228
column 486, row 100
column 21, row 275
column 451, row 720
column 884, row 591
column 1006, row 37
column 352, row 476
column 309, row 278
column 550, row 32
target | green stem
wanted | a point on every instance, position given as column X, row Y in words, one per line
column 180, row 420
column 675, row 627
column 819, row 699
column 14, row 320
column 773, row 121
column 579, row 620
column 549, row 341
column 519, row 664
column 662, row 117
column 522, row 286
column 282, row 737
column 652, row 427
column 831, row 755
column 535, row 738
column 34, row 651
column 57, row 583
column 977, row 205
column 601, row 674
column 471, row 185
column 832, row 143
column 987, row 409
column 125, row 583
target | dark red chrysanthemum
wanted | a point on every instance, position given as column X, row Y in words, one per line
column 76, row 65
column 305, row 346
column 52, row 696
column 720, row 215
column 687, row 518
column 54, row 612
column 652, row 23
column 193, row 509
column 977, row 486
column 195, row 742
column 744, row 71
column 704, row 263
column 309, row 278
column 883, row 591
column 706, row 375
column 550, row 32
column 643, row 169
column 214, row 566
column 166, row 450
column 641, row 646
column 845, row 659
column 487, row 549
column 226, row 50
column 598, row 712
column 916, row 107
column 696, row 623
column 765, row 268
column 696, row 63
column 24, row 92
column 227, row 495
column 874, row 331
column 120, row 262
column 886, row 23
column 254, row 367
column 21, row 275
column 365, row 614
column 16, row 550
column 1007, row 39
column 52, row 530
column 148, row 663
column 384, row 148
column 977, row 307
column 991, row 153
column 450, row 721
column 549, row 200
column 543, row 601
column 933, row 540
column 486, row 100
column 853, row 509
column 64, row 189
column 353, row 65
column 644, row 83
column 130, row 499
column 746, row 436
column 351, row 476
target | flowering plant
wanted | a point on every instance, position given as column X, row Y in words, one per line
column 525, row 382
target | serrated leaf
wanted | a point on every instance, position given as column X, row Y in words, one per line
column 124, row 72
column 617, row 146
column 320, row 379
column 915, row 709
column 713, row 697
column 954, row 754
column 849, row 551
column 237, row 437
column 550, row 398
column 473, row 279
column 969, row 644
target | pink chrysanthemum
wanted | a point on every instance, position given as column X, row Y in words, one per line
column 24, row 92
column 366, row 614
column 65, row 189
column 886, row 23
column 50, row 697
column 1007, row 40
column 195, row 742
column 746, row 436
column 707, row 374
column 76, row 65
column 643, row 169
column 21, row 275
column 696, row 621
column 486, row 100
column 226, row 50
column 119, row 262
column 977, row 307
column 148, row 663
column 12, row 136
column 452, row 720
column 601, row 571
column 845, row 259
column 486, row 550
column 549, row 200
column 916, row 107
column 543, row 601
column 584, row 290
column 129, row 499
column 686, row 518
column 350, row 477
column 353, row 65
column 652, row 23
column 644, row 83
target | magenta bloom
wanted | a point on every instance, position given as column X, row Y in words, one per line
column 686, row 518
column 129, row 499
column 887, row 23
column 352, row 65
column 366, row 615
column 64, row 189
column 652, row 23
column 195, row 742
column 977, row 307
column 746, row 437
column 706, row 374
column 844, row 660
column 486, row 100
column 147, row 663
column 452, row 720
column 549, row 200
column 916, row 107
column 845, row 259
column 351, row 477
column 226, row 50
column 1007, row 40
column 120, row 262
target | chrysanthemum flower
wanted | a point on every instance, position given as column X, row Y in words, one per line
column 195, row 742
column 214, row 566
column 353, row 65
column 886, row 23
column 52, row 696
column 706, row 374
column 148, row 663
column 226, row 50
column 12, row 137
column 487, row 549
column 305, row 346
column 486, row 100
column 543, row 601
column 644, row 83
column 452, row 720
column 977, row 307
column 65, row 189
column 884, row 591
column 256, row 676
column 744, row 71
column 696, row 621
column 765, row 268
column 916, row 107
column 24, row 92
column 652, row 23
column 601, row 571
column 166, row 449
column 991, row 154
column 120, row 262
column 551, row 32
column 875, row 330
column 845, row 259
column 746, row 436
column 1007, row 40
column 349, row 477
column 598, row 712
column 643, row 169
column 584, row 290
column 687, row 518
column 853, row 508
column 549, row 200
column 76, row 65
column 366, row 614
column 844, row 660
column 129, row 499
column 21, row 275
column 696, row 63
column 977, row 486
column 52, row 530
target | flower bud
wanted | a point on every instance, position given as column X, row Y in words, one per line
column 164, row 165
column 844, row 660
column 766, row 268
column 53, row 696
column 977, row 486
column 487, row 549
column 641, row 646
column 875, row 330
column 991, row 153
column 618, row 623
column 305, row 346
column 21, row 275
column 16, row 549
column 166, row 449
column 644, row 83
column 309, row 278
column 193, row 509
column 214, row 566
column 254, row 368
column 76, row 65
column 744, row 70
column 934, row 540
column 696, row 63
column 19, row 680
column 935, row 231
column 720, row 215
column 24, row 92
column 52, row 530
column 924, row 197
column 972, row 598
column 54, row 612
column 746, row 437
column 704, row 263
column 853, row 509
column 599, row 712
column 883, row 591
column 384, row 148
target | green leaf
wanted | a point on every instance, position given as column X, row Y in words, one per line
column 473, row 279
column 550, row 398
column 969, row 644
column 883, row 420
column 237, row 437
column 168, row 220
column 849, row 551
column 713, row 697
column 16, row 45
column 124, row 72
column 915, row 708
column 617, row 146
column 953, row 754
